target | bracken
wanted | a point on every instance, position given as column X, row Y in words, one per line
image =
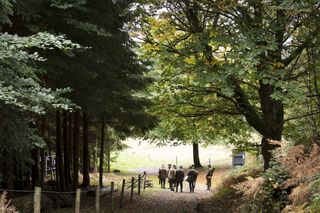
column 5, row 206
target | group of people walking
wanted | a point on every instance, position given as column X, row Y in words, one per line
column 176, row 176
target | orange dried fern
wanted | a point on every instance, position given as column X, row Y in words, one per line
column 300, row 195
column 251, row 187
column 301, row 164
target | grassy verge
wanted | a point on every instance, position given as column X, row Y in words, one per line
column 128, row 164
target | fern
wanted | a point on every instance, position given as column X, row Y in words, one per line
column 5, row 206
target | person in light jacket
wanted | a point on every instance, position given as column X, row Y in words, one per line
column 171, row 177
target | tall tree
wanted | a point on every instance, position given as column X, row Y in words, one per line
column 85, row 151
column 66, row 147
column 107, row 77
column 242, row 52
column 76, row 144
column 22, row 93
column 102, row 151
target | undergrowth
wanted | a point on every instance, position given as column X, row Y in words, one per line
column 5, row 204
column 291, row 184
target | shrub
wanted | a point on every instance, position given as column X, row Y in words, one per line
column 315, row 196
column 315, row 203
column 300, row 195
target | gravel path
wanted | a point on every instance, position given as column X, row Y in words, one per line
column 164, row 200
column 157, row 200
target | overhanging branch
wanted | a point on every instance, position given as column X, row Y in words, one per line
column 301, row 116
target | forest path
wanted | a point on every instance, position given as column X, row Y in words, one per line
column 157, row 200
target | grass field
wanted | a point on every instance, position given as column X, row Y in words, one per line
column 142, row 156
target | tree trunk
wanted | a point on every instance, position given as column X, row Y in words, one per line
column 36, row 167
column 48, row 134
column 9, row 171
column 196, row 159
column 273, row 117
column 57, row 151
column 42, row 166
column 101, row 152
column 59, row 154
column 95, row 156
column 76, row 140
column 108, row 156
column 66, row 148
column 70, row 139
column 269, row 123
column 85, row 152
column 42, row 151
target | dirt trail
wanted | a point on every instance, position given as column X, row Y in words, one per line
column 157, row 200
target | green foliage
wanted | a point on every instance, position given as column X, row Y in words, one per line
column 16, row 141
column 5, row 11
column 14, row 47
column 304, row 130
column 66, row 4
column 19, row 84
column 212, row 63
column 314, row 205
column 276, row 198
column 107, row 78
column 80, row 46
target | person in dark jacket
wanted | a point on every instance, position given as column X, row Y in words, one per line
column 192, row 177
column 162, row 176
column 209, row 176
column 179, row 178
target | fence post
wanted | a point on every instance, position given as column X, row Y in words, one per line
column 144, row 179
column 111, row 195
column 77, row 205
column 98, row 199
column 132, row 186
column 122, row 191
column 37, row 200
column 139, row 184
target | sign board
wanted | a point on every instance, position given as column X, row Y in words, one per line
column 238, row 159
column 50, row 165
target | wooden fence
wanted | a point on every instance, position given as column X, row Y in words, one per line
column 139, row 182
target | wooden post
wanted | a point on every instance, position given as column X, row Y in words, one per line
column 37, row 200
column 98, row 199
column 177, row 161
column 111, row 195
column 77, row 205
column 144, row 179
column 122, row 191
column 132, row 186
column 139, row 184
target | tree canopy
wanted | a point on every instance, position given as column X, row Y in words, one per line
column 235, row 59
column 67, row 69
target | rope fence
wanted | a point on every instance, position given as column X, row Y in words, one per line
column 139, row 182
column 130, row 184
